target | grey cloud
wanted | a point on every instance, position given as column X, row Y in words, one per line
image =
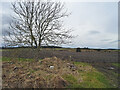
column 115, row 41
column 6, row 19
column 7, row 12
column 106, row 39
column 4, row 31
column 94, row 32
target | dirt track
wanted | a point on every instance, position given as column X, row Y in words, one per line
column 88, row 56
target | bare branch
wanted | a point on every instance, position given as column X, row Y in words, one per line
column 38, row 23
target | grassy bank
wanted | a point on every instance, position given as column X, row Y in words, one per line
column 65, row 74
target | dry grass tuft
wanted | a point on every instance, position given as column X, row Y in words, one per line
column 36, row 74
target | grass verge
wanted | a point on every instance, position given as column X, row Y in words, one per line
column 116, row 64
column 88, row 77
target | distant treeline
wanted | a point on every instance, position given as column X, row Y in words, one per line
column 30, row 47
column 97, row 49
column 85, row 48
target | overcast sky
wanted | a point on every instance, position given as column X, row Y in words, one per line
column 94, row 23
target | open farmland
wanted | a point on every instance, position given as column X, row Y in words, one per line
column 84, row 56
column 103, row 61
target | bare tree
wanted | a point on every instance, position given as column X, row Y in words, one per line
column 38, row 23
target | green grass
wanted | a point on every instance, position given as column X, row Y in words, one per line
column 116, row 64
column 90, row 79
column 24, row 59
column 19, row 59
column 95, row 79
column 5, row 59
column 70, row 78
column 115, row 74
column 81, row 63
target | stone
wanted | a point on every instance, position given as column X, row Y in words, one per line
column 15, row 68
column 111, row 68
column 51, row 67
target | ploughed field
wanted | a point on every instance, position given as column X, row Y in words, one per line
column 84, row 56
